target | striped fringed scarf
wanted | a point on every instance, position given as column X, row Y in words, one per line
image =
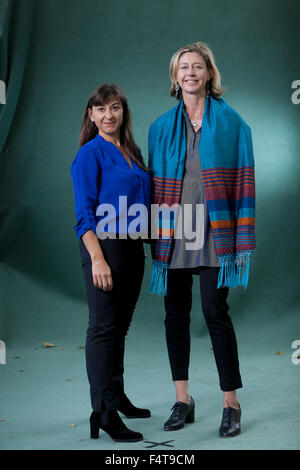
column 227, row 164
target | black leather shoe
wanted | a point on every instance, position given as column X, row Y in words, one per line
column 231, row 422
column 182, row 413
column 131, row 411
column 112, row 424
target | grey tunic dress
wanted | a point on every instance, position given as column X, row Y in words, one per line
column 193, row 193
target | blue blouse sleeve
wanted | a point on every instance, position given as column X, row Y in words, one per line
column 85, row 171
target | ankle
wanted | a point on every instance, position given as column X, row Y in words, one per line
column 232, row 404
column 184, row 398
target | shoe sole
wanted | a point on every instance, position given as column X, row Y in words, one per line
column 128, row 440
column 173, row 429
column 136, row 417
column 180, row 427
column 233, row 435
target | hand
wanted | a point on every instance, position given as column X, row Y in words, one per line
column 102, row 275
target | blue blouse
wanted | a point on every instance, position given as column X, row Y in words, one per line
column 106, row 188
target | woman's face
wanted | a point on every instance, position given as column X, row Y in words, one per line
column 108, row 117
column 192, row 73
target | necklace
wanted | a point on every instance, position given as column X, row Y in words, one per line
column 195, row 123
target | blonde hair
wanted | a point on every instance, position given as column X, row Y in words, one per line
column 215, row 87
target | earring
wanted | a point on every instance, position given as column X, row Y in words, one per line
column 208, row 87
column 177, row 89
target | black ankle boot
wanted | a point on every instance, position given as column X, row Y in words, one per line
column 131, row 411
column 231, row 422
column 114, row 427
column 182, row 413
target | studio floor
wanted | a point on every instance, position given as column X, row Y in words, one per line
column 44, row 394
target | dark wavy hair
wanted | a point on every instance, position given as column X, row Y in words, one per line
column 99, row 97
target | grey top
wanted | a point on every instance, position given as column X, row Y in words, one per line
column 203, row 252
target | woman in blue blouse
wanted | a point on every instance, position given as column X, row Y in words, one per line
column 111, row 185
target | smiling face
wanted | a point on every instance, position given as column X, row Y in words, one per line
column 192, row 73
column 108, row 117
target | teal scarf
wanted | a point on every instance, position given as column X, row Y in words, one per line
column 227, row 164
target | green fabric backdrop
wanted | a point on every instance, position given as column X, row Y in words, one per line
column 76, row 45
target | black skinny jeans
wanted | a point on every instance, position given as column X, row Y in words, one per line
column 178, row 304
column 110, row 315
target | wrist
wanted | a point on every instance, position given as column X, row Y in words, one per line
column 97, row 257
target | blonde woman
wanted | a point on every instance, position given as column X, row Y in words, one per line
column 200, row 153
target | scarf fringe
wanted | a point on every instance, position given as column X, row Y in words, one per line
column 159, row 277
column 234, row 269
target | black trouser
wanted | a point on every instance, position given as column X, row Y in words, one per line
column 178, row 304
column 110, row 314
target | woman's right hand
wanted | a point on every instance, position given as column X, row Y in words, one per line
column 102, row 277
column 101, row 271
